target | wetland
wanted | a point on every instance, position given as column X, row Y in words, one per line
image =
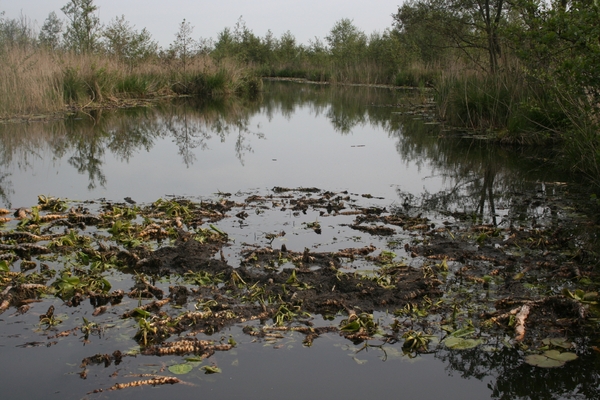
column 316, row 240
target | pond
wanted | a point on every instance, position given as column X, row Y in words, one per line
column 296, row 180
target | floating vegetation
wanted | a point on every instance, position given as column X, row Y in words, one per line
column 184, row 274
column 550, row 359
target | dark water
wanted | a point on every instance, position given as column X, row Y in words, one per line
column 350, row 138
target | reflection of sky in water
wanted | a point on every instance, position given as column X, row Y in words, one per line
column 302, row 150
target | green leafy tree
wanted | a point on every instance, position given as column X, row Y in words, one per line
column 84, row 29
column 471, row 26
column 287, row 48
column 125, row 42
column 249, row 47
column 347, row 43
column 242, row 44
column 50, row 33
column 386, row 50
column 224, row 45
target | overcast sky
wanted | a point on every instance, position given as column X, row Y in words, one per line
column 305, row 19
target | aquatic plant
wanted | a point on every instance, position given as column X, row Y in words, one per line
column 415, row 341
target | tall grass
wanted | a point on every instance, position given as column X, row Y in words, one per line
column 28, row 82
column 580, row 149
column 363, row 72
column 39, row 81
column 508, row 104
column 207, row 78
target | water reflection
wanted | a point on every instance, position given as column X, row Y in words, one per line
column 514, row 379
column 463, row 175
column 470, row 179
column 481, row 180
column 85, row 139
column 192, row 124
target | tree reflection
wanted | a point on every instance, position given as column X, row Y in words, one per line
column 187, row 135
column 5, row 188
column 474, row 175
column 89, row 149
column 480, row 178
column 84, row 139
column 346, row 107
column 514, row 379
column 193, row 123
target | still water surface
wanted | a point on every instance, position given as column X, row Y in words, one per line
column 352, row 139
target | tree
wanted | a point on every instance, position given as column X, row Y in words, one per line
column 468, row 24
column 83, row 32
column 243, row 44
column 419, row 27
column 122, row 40
column 50, row 33
column 224, row 46
column 287, row 48
column 184, row 45
column 16, row 32
column 385, row 50
column 347, row 43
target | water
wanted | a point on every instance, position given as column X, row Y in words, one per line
column 351, row 139
column 300, row 136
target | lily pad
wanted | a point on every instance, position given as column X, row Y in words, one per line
column 211, row 370
column 457, row 343
column 539, row 360
column 557, row 355
column 558, row 342
column 550, row 359
column 181, row 369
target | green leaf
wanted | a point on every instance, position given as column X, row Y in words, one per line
column 138, row 312
column 181, row 369
column 557, row 355
column 558, row 342
column 4, row 266
column 211, row 370
column 539, row 360
column 518, row 276
column 220, row 232
column 353, row 326
column 71, row 280
column 457, row 343
column 550, row 359
column 590, row 296
column 463, row 332
column 106, row 286
column 195, row 359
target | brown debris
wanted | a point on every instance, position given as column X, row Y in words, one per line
column 202, row 348
column 521, row 316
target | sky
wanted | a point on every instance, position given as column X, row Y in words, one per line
column 305, row 19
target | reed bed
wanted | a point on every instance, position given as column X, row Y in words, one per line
column 38, row 81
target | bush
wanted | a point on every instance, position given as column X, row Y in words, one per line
column 74, row 87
